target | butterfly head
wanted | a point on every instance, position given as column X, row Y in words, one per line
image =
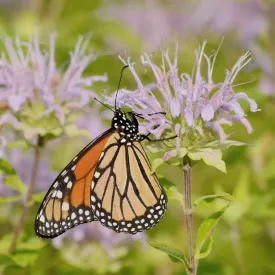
column 127, row 127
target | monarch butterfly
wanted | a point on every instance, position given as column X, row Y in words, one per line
column 110, row 180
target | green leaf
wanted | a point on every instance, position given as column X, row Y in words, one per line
column 14, row 182
column 183, row 152
column 173, row 253
column 206, row 229
column 9, row 199
column 22, row 144
column 210, row 198
column 212, row 157
column 207, row 248
column 6, row 167
column 156, row 163
column 6, row 260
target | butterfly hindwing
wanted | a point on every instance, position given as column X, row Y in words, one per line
column 68, row 201
column 127, row 196
column 110, row 180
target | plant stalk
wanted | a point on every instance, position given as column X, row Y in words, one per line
column 188, row 214
column 28, row 200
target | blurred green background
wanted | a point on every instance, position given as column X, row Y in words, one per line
column 244, row 240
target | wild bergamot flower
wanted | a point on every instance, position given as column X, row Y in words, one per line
column 40, row 98
column 196, row 107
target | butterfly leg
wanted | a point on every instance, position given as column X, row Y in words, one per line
column 143, row 137
column 140, row 116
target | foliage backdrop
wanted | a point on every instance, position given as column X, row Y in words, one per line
column 245, row 237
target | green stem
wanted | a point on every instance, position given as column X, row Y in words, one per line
column 188, row 214
column 28, row 200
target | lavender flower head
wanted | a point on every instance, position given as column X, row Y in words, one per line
column 38, row 96
column 196, row 107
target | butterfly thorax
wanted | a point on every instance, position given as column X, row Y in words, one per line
column 127, row 128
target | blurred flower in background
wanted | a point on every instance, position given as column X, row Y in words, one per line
column 158, row 22
column 94, row 241
column 41, row 99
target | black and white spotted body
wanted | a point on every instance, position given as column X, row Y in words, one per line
column 127, row 128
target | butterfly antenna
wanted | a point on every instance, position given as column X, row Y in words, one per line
column 126, row 66
column 104, row 104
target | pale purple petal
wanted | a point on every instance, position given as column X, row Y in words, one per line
column 252, row 103
column 8, row 118
column 207, row 113
column 218, row 129
column 16, row 101
column 188, row 114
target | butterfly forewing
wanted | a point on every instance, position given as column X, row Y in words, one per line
column 68, row 202
column 127, row 196
column 110, row 180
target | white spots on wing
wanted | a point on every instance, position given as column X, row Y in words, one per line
column 73, row 168
column 75, row 158
column 80, row 211
column 47, row 225
column 55, row 184
column 64, row 173
column 97, row 174
column 70, row 184
column 92, row 185
column 54, row 193
column 87, row 212
column 93, row 198
column 158, row 207
column 65, row 206
column 66, row 179
column 73, row 216
column 152, row 210
column 42, row 218
column 59, row 194
column 102, row 154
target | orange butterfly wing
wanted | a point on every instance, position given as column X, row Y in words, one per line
column 68, row 201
